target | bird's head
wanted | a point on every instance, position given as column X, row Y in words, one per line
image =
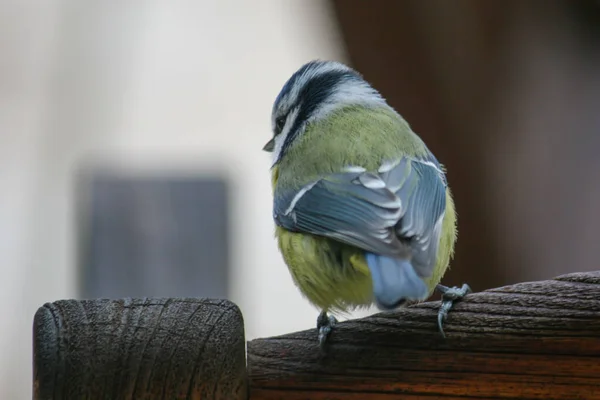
column 311, row 94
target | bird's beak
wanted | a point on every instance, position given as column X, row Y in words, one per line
column 269, row 146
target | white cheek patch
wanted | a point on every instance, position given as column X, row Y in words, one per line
column 280, row 139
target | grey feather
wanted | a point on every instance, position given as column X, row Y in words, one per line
column 395, row 212
column 340, row 206
column 425, row 203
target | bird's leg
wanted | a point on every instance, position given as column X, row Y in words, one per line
column 325, row 324
column 449, row 296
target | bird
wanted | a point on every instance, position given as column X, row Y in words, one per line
column 362, row 209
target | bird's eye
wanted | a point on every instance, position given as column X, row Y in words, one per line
column 279, row 124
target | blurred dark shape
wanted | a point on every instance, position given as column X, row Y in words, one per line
column 153, row 236
column 505, row 94
column 586, row 17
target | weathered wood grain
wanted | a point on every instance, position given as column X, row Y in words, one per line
column 535, row 340
column 139, row 349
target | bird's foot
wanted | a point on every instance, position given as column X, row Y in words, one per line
column 325, row 324
column 449, row 296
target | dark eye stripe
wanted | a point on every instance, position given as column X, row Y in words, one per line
column 279, row 124
column 314, row 93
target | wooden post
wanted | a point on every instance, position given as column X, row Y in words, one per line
column 536, row 340
column 139, row 349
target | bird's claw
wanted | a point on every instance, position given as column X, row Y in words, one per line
column 449, row 296
column 325, row 324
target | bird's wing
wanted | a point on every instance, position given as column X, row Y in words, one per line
column 421, row 184
column 395, row 212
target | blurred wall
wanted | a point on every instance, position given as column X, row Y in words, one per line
column 151, row 87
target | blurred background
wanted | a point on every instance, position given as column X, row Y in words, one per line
column 130, row 137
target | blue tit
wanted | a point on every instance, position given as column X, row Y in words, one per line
column 362, row 208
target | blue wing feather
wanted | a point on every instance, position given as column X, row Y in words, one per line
column 340, row 206
column 395, row 213
column 423, row 213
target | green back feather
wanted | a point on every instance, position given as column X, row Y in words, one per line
column 350, row 136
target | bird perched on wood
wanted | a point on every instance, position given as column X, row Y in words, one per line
column 362, row 208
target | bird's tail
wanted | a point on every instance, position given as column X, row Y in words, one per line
column 394, row 281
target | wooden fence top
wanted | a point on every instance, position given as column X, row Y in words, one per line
column 534, row 340
column 139, row 349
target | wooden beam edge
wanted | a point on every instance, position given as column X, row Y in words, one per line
column 548, row 308
column 534, row 340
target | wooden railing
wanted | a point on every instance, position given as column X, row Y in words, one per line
column 534, row 340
